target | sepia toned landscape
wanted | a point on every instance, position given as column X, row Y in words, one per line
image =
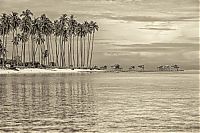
column 99, row 66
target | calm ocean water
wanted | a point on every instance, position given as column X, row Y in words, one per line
column 100, row 102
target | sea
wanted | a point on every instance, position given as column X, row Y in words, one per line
column 100, row 102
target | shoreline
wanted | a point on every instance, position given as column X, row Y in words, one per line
column 67, row 70
column 44, row 71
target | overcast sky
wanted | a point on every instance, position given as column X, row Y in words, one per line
column 132, row 32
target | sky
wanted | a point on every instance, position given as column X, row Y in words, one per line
column 132, row 32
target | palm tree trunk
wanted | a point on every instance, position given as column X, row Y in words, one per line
column 57, row 52
column 17, row 56
column 22, row 49
column 13, row 45
column 88, row 49
column 60, row 50
column 24, row 53
column 64, row 49
column 84, row 52
column 73, row 51
column 29, row 52
column 77, row 62
column 3, row 63
column 52, row 48
column 6, row 45
column 47, row 44
column 81, row 50
column 92, row 49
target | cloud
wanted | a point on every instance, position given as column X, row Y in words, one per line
column 154, row 28
column 154, row 18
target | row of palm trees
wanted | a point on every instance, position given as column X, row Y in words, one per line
column 63, row 43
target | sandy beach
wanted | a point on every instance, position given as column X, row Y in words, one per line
column 37, row 70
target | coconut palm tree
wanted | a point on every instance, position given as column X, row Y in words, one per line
column 72, row 23
column 35, row 30
column 57, row 34
column 47, row 30
column 40, row 42
column 63, row 20
column 39, row 32
column 176, row 67
column 25, row 27
column 15, row 42
column 142, row 67
column 2, row 52
column 15, row 22
column 95, row 28
column 6, row 27
column 78, row 33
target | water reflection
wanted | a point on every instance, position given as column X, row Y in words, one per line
column 45, row 103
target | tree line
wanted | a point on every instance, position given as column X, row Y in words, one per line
column 64, row 42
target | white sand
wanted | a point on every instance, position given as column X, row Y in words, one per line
column 37, row 70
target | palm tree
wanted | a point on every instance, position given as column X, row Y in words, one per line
column 88, row 29
column 25, row 27
column 23, row 38
column 78, row 32
column 39, row 32
column 40, row 42
column 132, row 68
column 95, row 28
column 15, row 22
column 176, row 67
column 57, row 34
column 6, row 27
column 15, row 42
column 35, row 30
column 142, row 67
column 47, row 30
column 63, row 20
column 72, row 23
column 2, row 52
